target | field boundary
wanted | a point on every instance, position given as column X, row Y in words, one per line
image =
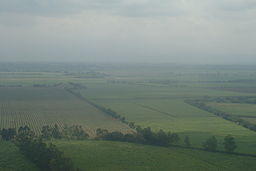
column 154, row 109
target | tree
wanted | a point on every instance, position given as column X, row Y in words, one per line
column 162, row 138
column 56, row 132
column 74, row 132
column 8, row 134
column 24, row 135
column 115, row 136
column 77, row 132
column 46, row 132
column 131, row 125
column 187, row 141
column 210, row 144
column 174, row 138
column 45, row 155
column 101, row 133
column 148, row 135
column 138, row 128
column 229, row 143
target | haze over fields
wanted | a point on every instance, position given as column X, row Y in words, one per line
column 173, row 31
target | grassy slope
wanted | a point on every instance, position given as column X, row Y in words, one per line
column 12, row 160
column 107, row 155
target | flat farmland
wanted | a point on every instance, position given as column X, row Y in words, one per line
column 162, row 107
column 37, row 107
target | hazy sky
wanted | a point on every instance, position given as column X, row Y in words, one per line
column 173, row 31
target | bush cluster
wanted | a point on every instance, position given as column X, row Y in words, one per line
column 74, row 132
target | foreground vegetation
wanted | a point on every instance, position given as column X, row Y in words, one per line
column 12, row 159
column 47, row 157
column 109, row 155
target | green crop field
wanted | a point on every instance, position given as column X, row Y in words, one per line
column 107, row 155
column 37, row 107
column 12, row 160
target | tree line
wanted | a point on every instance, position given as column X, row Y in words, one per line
column 143, row 136
column 101, row 108
column 211, row 144
column 47, row 157
column 201, row 105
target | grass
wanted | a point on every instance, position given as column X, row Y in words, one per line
column 107, row 155
column 12, row 160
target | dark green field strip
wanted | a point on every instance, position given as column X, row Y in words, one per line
column 245, row 116
column 217, row 151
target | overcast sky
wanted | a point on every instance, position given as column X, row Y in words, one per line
column 172, row 31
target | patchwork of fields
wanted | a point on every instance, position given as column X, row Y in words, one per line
column 147, row 96
column 160, row 104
